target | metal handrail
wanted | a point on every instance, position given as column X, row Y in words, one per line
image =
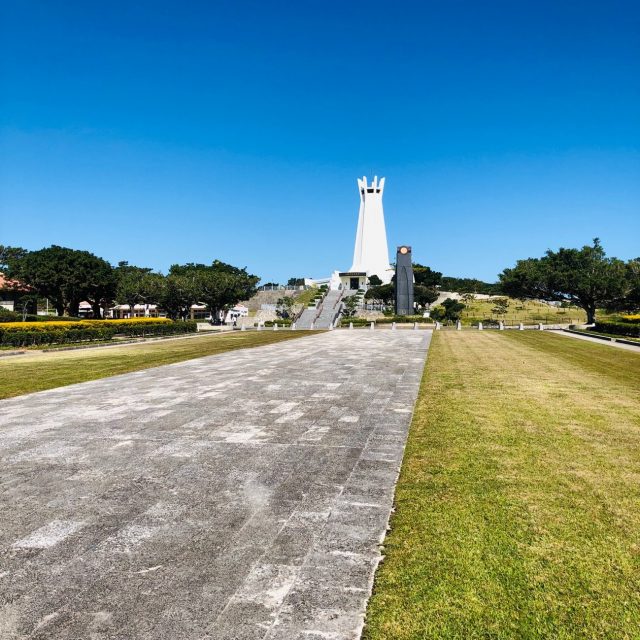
column 337, row 315
column 319, row 309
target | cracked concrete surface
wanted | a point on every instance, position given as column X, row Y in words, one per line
column 239, row 496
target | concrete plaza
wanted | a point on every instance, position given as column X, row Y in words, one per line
column 238, row 496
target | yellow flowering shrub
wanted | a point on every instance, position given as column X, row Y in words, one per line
column 632, row 318
column 152, row 320
column 18, row 334
column 76, row 324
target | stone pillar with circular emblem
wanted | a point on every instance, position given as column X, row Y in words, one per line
column 404, row 281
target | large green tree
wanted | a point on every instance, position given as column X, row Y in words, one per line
column 585, row 277
column 10, row 257
column 138, row 285
column 426, row 277
column 64, row 276
column 219, row 285
column 469, row 285
column 177, row 294
column 384, row 293
column 632, row 299
column 425, row 296
column 449, row 311
column 25, row 299
column 102, row 287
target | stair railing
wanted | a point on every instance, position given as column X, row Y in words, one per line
column 319, row 310
column 337, row 315
column 297, row 315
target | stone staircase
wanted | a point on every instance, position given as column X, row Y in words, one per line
column 307, row 317
column 322, row 316
column 331, row 307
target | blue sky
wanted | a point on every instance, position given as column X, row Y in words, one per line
column 161, row 132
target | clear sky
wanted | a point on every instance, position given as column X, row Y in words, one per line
column 171, row 131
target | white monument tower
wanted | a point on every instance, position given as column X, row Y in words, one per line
column 371, row 253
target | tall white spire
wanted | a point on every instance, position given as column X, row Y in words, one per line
column 371, row 253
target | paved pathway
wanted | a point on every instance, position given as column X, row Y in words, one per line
column 617, row 345
column 239, row 496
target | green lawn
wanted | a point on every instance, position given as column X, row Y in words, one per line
column 518, row 504
column 526, row 311
column 36, row 371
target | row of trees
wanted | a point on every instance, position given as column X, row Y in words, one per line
column 469, row 285
column 67, row 277
column 584, row 277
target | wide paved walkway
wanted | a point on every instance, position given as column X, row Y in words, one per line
column 239, row 496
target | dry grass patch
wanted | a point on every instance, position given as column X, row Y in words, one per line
column 518, row 505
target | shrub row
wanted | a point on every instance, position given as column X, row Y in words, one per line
column 76, row 324
column 630, row 329
column 402, row 319
column 156, row 329
column 29, row 337
column 90, row 331
column 282, row 322
column 634, row 319
column 357, row 322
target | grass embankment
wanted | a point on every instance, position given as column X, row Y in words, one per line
column 306, row 296
column 38, row 371
column 526, row 311
column 518, row 503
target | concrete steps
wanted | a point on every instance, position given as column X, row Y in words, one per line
column 321, row 317
column 306, row 319
column 331, row 307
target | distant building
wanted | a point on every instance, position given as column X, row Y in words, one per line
column 239, row 311
column 7, row 295
column 123, row 311
column 197, row 312
column 10, row 293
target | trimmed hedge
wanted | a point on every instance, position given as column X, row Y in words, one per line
column 23, row 334
column 169, row 328
column 357, row 322
column 64, row 335
column 282, row 322
column 630, row 329
column 403, row 319
column 43, row 325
